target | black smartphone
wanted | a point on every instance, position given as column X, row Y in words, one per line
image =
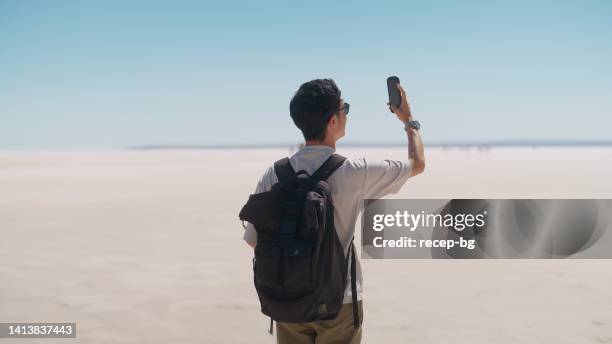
column 395, row 98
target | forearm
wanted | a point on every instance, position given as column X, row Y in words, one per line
column 416, row 152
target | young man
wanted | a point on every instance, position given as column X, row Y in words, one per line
column 320, row 113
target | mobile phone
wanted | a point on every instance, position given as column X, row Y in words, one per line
column 395, row 98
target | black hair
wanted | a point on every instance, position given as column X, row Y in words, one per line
column 313, row 105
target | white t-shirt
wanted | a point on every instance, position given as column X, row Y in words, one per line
column 350, row 184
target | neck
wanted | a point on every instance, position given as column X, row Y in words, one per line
column 332, row 144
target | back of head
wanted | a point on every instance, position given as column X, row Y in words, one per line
column 313, row 105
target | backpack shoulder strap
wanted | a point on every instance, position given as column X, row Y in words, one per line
column 283, row 169
column 356, row 320
column 329, row 166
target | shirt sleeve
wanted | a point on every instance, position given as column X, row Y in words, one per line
column 264, row 184
column 250, row 235
column 385, row 177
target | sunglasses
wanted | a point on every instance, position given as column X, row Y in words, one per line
column 345, row 108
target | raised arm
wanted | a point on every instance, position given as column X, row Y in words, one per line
column 416, row 153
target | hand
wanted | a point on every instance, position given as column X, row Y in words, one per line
column 403, row 112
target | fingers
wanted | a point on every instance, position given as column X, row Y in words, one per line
column 392, row 108
column 402, row 92
column 401, row 89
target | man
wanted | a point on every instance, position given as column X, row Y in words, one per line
column 318, row 110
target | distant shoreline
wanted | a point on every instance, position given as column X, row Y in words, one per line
column 484, row 144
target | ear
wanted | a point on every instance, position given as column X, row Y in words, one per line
column 333, row 121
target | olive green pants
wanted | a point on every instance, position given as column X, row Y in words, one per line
column 339, row 330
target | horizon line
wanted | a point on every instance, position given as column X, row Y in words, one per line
column 450, row 144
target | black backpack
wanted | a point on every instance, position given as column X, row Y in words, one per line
column 299, row 265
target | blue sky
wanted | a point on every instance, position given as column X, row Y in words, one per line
column 111, row 74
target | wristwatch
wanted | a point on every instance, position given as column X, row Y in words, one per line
column 412, row 124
